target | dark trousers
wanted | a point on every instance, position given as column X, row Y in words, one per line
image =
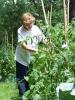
column 21, row 71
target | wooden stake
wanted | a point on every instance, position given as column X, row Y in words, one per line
column 68, row 2
column 46, row 21
column 50, row 14
column 65, row 20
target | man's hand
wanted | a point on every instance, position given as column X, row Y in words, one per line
column 26, row 47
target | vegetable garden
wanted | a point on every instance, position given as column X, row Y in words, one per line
column 54, row 63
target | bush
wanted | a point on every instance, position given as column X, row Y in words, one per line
column 7, row 63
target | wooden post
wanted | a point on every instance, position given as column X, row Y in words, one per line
column 68, row 2
column 65, row 20
column 50, row 14
column 46, row 21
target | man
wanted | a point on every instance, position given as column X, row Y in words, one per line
column 29, row 35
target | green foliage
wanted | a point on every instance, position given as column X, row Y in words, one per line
column 7, row 64
column 66, row 95
column 10, row 14
column 52, row 64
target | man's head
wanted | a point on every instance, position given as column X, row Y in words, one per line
column 27, row 20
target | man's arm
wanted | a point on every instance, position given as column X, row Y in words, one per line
column 26, row 47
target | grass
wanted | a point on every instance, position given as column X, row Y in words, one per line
column 8, row 91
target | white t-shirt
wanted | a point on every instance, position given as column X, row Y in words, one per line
column 32, row 38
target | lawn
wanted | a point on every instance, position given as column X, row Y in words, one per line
column 8, row 91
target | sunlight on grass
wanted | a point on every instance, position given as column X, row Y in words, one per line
column 8, row 91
